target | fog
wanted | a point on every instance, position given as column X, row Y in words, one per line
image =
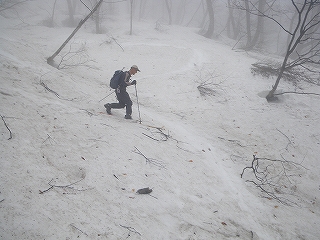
column 193, row 14
column 222, row 162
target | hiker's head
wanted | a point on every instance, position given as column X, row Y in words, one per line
column 134, row 69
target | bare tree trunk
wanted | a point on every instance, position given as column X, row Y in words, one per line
column 231, row 23
column 97, row 19
column 169, row 11
column 308, row 21
column 50, row 59
column 210, row 30
column 52, row 16
column 142, row 8
column 194, row 14
column 181, row 12
column 270, row 95
column 260, row 24
column 71, row 10
column 248, row 23
column 131, row 16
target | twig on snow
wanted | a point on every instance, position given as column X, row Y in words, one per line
column 5, row 124
column 48, row 138
column 68, row 186
column 150, row 160
column 316, row 94
column 89, row 113
column 48, row 89
column 163, row 136
column 79, row 230
column 233, row 141
column 272, row 177
column 289, row 141
column 117, row 43
column 130, row 229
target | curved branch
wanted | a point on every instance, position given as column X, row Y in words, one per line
column 2, row 117
column 317, row 94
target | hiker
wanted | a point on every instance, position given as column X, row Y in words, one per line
column 121, row 92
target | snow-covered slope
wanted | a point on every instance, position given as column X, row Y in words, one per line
column 190, row 149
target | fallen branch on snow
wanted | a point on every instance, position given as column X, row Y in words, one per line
column 274, row 178
column 163, row 136
column 68, row 186
column 316, row 94
column 150, row 160
column 5, row 124
column 79, row 230
column 130, row 229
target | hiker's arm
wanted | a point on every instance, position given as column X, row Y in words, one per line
column 127, row 78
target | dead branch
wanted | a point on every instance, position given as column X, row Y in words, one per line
column 163, row 136
column 48, row 138
column 117, row 43
column 65, row 187
column 233, row 141
column 3, row 7
column 270, row 194
column 108, row 41
column 130, row 229
column 5, row 124
column 294, row 75
column 155, row 162
column 316, row 94
column 207, row 87
column 274, row 178
column 79, row 230
column 48, row 89
column 289, row 141
column 75, row 58
column 89, row 113
column 150, row 137
column 50, row 60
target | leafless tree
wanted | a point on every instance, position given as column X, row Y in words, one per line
column 49, row 22
column 9, row 4
column 169, row 6
column 96, row 16
column 142, row 8
column 50, row 60
column 131, row 16
column 254, row 26
column 304, row 44
column 196, row 11
column 72, row 4
column 232, row 27
column 210, row 30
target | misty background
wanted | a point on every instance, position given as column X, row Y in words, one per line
column 222, row 161
column 224, row 20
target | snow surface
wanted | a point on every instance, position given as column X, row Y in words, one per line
column 193, row 147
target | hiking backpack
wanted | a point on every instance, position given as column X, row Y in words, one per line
column 115, row 80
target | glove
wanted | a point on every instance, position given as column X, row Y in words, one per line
column 134, row 82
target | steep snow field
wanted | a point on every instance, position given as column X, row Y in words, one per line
column 189, row 148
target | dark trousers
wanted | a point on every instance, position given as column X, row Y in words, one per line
column 124, row 101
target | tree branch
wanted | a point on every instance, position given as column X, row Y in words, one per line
column 5, row 124
column 317, row 94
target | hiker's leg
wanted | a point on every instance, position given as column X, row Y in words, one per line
column 117, row 105
column 121, row 103
column 128, row 104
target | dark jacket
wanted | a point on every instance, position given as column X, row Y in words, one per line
column 124, row 81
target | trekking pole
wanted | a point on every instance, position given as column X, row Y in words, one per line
column 138, row 103
column 106, row 96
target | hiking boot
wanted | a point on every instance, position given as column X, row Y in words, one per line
column 127, row 117
column 108, row 108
